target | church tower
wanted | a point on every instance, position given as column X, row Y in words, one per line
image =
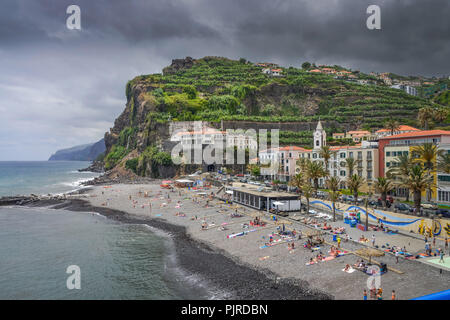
column 320, row 136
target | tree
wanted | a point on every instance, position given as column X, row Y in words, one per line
column 392, row 125
column 383, row 186
column 315, row 171
column 355, row 183
column 418, row 180
column 427, row 153
column 425, row 116
column 254, row 170
column 400, row 168
column 333, row 185
column 350, row 163
column 326, row 154
column 298, row 181
column 306, row 65
column 307, row 191
column 443, row 163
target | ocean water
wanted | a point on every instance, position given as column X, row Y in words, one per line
column 116, row 260
column 41, row 177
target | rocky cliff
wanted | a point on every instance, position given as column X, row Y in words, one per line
column 86, row 152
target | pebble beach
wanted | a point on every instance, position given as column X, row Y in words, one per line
column 275, row 272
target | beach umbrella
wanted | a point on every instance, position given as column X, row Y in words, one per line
column 167, row 181
column 369, row 252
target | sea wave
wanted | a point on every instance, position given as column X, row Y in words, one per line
column 193, row 280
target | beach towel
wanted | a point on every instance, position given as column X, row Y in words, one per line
column 351, row 270
column 264, row 258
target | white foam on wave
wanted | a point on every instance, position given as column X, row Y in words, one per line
column 191, row 279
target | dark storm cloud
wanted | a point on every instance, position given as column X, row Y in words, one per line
column 60, row 87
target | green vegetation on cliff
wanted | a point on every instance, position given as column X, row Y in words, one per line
column 214, row 89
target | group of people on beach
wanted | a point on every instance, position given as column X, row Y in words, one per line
column 378, row 294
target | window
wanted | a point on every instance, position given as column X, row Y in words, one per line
column 317, row 143
column 444, row 178
column 369, row 155
column 350, row 155
column 342, row 173
column 314, row 155
column 388, row 154
column 342, row 155
column 369, row 174
column 388, row 164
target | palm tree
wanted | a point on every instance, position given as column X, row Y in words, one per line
column 383, row 185
column 418, row 180
column 326, row 154
column 440, row 114
column 333, row 185
column 307, row 190
column 400, row 168
column 298, row 181
column 443, row 163
column 315, row 171
column 425, row 116
column 427, row 153
column 355, row 183
column 392, row 125
column 350, row 163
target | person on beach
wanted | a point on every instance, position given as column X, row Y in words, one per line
column 365, row 294
column 339, row 242
column 393, row 297
column 396, row 255
column 441, row 253
column 434, row 241
column 373, row 240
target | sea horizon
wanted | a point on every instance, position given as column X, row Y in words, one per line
column 42, row 177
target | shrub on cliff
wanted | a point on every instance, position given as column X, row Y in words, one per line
column 116, row 154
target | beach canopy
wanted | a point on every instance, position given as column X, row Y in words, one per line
column 369, row 252
column 278, row 203
column 229, row 191
column 167, row 181
column 184, row 181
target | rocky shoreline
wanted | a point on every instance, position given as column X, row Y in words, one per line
column 96, row 166
column 217, row 267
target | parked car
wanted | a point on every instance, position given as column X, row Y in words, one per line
column 430, row 205
column 282, row 187
column 445, row 212
column 403, row 207
column 321, row 194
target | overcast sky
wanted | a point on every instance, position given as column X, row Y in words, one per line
column 60, row 87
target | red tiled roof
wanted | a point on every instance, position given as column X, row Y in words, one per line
column 401, row 128
column 359, row 132
column 292, row 148
column 418, row 134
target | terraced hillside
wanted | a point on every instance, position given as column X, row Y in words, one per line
column 215, row 89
